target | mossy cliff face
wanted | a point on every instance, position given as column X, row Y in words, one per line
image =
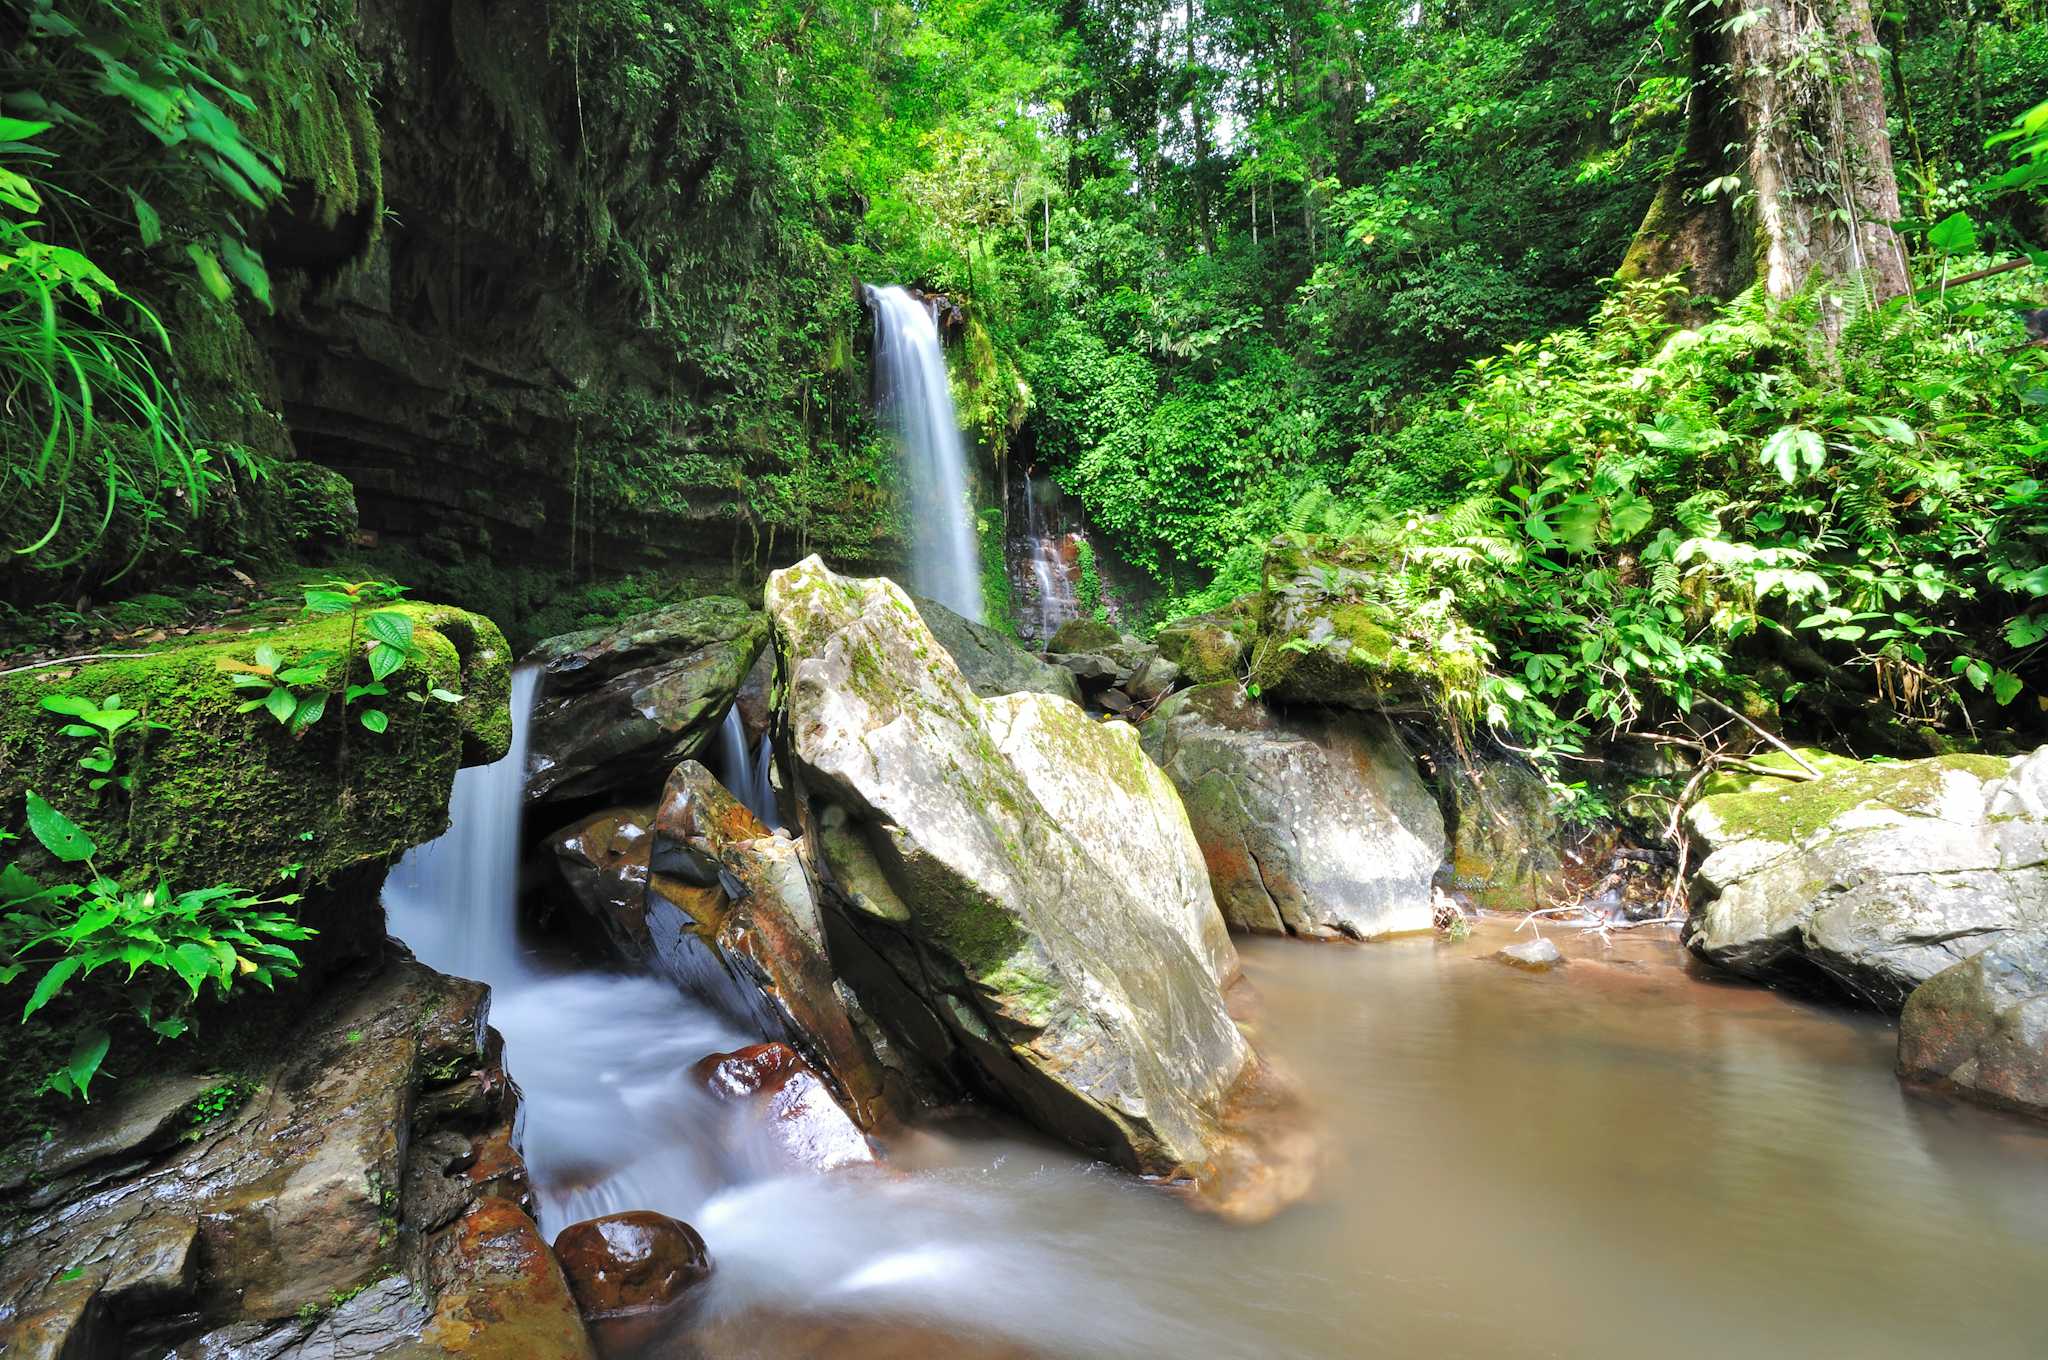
column 228, row 797
column 585, row 335
column 1023, row 937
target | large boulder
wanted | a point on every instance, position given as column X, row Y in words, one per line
column 1310, row 826
column 1339, row 624
column 1208, row 648
column 620, row 706
column 994, row 935
column 1873, row 878
column 632, row 1273
column 992, row 662
column 1981, row 1026
column 695, row 889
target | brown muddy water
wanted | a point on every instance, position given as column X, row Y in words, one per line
column 1620, row 1158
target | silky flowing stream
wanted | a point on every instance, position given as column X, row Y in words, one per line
column 1620, row 1158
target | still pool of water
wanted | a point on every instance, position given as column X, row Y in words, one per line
column 1615, row 1159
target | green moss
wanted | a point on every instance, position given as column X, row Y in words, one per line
column 228, row 797
column 1787, row 812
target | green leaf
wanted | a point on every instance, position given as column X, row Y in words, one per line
column 20, row 129
column 328, row 602
column 70, row 705
column 59, row 834
column 147, row 222
column 247, row 266
column 85, row 1059
column 211, row 274
column 1955, row 234
column 60, row 973
column 311, row 710
column 375, row 720
column 394, row 628
column 2005, row 687
column 446, row 696
column 281, row 704
column 385, row 659
column 1790, row 449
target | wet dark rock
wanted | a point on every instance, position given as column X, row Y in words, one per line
column 1092, row 672
column 1874, row 878
column 992, row 661
column 1309, row 826
column 1980, row 1027
column 1152, row 680
column 620, row 706
column 1534, row 956
column 806, row 1126
column 1061, row 958
column 756, row 699
column 373, row 1138
column 727, row 913
column 630, row 1263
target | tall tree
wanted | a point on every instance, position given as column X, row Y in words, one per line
column 1785, row 175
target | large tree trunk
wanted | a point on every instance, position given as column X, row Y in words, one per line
column 1790, row 85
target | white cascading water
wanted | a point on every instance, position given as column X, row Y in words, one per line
column 910, row 366
column 745, row 776
column 1056, row 603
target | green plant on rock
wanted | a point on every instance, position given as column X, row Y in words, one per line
column 173, row 945
column 295, row 694
column 103, row 724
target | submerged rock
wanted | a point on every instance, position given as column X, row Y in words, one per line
column 1981, row 1026
column 807, row 1129
column 996, row 931
column 993, row 663
column 620, row 706
column 1317, row 827
column 1536, row 956
column 1875, row 877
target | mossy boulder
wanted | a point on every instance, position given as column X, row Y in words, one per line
column 1210, row 647
column 1875, row 877
column 1318, row 827
column 1083, row 635
column 222, row 796
column 621, row 706
column 1338, row 624
column 1014, row 919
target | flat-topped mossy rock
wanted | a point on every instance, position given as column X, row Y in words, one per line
column 1337, row 624
column 1875, row 877
column 1210, row 647
column 222, row 796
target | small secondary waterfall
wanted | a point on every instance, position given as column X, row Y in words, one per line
column 746, row 776
column 910, row 366
column 1055, row 602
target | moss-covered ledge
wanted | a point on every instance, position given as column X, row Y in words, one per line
column 228, row 797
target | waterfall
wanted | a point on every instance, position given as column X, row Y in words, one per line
column 910, row 367
column 1055, row 593
column 448, row 899
column 746, row 776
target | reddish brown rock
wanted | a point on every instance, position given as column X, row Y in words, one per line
column 633, row 1262
column 500, row 1294
column 808, row 1128
column 699, row 892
